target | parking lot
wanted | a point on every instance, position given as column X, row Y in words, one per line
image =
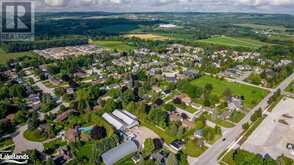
column 275, row 132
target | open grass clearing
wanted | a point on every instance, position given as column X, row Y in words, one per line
column 5, row 57
column 233, row 42
column 252, row 95
column 113, row 45
column 262, row 27
column 148, row 36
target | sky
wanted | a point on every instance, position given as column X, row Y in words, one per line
column 255, row 6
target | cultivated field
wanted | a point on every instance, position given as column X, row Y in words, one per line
column 233, row 42
column 263, row 27
column 251, row 95
column 148, row 36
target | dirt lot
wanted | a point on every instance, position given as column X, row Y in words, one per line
column 142, row 133
column 274, row 132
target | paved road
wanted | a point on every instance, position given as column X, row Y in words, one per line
column 211, row 155
column 22, row 144
column 45, row 89
column 246, row 83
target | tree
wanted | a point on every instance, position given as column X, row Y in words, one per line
column 171, row 159
column 245, row 126
column 228, row 93
column 182, row 158
column 98, row 133
column 148, row 147
column 33, row 122
column 20, row 117
column 59, row 91
column 169, row 107
column 83, row 99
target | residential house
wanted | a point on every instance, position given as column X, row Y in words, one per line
column 234, row 103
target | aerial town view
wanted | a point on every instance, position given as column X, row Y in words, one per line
column 147, row 82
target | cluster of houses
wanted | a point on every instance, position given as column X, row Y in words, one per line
column 68, row 51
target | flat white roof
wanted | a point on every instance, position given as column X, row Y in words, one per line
column 113, row 121
column 124, row 117
column 131, row 115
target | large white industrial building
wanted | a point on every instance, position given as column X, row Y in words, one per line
column 121, row 120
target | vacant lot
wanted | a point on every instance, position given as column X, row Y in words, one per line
column 233, row 42
column 251, row 95
column 4, row 57
column 113, row 45
column 148, row 36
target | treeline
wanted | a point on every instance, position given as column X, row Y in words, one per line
column 42, row 44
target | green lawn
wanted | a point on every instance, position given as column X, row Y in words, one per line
column 167, row 138
column 290, row 88
column 220, row 122
column 126, row 160
column 251, row 95
column 114, row 45
column 34, row 135
column 236, row 116
column 186, row 108
column 5, row 57
column 250, row 130
column 233, row 42
column 192, row 149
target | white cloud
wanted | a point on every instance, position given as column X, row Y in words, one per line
column 280, row 6
column 267, row 2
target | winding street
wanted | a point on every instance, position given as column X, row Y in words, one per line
column 22, row 144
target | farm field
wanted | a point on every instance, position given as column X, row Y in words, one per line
column 251, row 95
column 233, row 42
column 113, row 45
column 263, row 27
column 5, row 57
column 148, row 36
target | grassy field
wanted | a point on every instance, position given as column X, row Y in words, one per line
column 251, row 95
column 149, row 36
column 113, row 45
column 263, row 27
column 233, row 42
column 4, row 57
